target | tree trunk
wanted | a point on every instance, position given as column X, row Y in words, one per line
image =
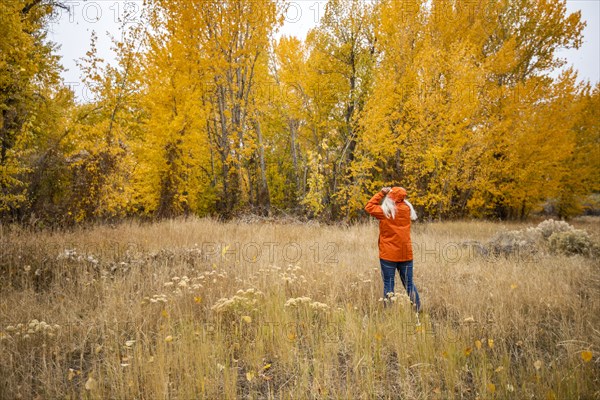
column 228, row 200
column 293, row 124
column 263, row 192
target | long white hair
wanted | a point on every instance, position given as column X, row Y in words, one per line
column 389, row 208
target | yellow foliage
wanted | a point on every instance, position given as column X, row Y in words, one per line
column 204, row 113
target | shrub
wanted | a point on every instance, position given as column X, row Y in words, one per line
column 556, row 237
column 573, row 242
column 550, row 226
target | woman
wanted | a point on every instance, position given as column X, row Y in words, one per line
column 395, row 248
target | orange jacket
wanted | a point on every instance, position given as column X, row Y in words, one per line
column 394, row 234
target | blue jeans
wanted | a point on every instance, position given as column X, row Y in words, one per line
column 405, row 268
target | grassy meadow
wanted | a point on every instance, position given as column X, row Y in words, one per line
column 201, row 309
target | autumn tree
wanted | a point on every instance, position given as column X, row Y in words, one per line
column 520, row 52
column 291, row 105
column 326, row 81
column 175, row 162
column 235, row 35
column 581, row 167
column 461, row 88
column 98, row 150
column 30, row 86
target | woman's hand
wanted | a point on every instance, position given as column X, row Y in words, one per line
column 386, row 190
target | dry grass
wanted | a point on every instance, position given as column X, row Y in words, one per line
column 492, row 328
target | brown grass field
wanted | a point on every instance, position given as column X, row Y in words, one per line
column 200, row 309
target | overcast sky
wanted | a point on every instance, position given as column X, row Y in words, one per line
column 72, row 32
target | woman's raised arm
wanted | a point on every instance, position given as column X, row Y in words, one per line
column 373, row 206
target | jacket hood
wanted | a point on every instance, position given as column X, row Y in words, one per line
column 397, row 194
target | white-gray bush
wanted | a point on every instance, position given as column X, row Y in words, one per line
column 576, row 241
column 550, row 226
column 550, row 237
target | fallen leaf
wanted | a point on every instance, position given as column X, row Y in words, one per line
column 586, row 356
column 478, row 344
column 249, row 376
column 224, row 251
column 169, row 339
column 491, row 388
column 538, row 364
column 247, row 319
column 490, row 343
